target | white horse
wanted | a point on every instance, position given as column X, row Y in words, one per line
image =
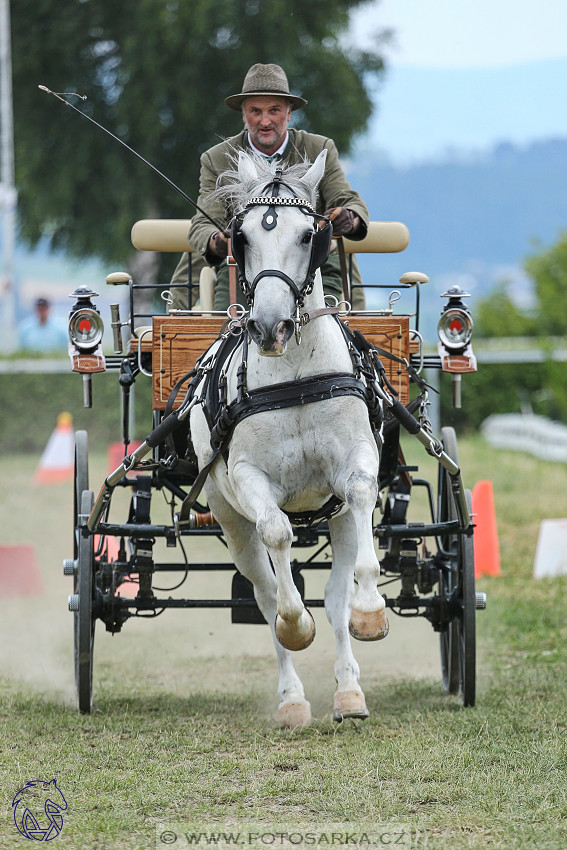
column 295, row 458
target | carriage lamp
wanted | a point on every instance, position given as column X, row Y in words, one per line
column 85, row 337
column 454, row 330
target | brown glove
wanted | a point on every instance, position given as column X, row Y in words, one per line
column 344, row 220
column 218, row 245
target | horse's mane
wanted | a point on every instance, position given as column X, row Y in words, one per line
column 231, row 190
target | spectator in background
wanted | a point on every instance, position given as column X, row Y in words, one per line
column 41, row 332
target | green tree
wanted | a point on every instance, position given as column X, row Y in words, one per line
column 505, row 388
column 156, row 73
column 549, row 272
column 499, row 315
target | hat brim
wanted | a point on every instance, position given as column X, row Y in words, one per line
column 235, row 100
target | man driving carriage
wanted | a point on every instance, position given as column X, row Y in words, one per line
column 266, row 105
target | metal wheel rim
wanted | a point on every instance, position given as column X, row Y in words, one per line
column 467, row 618
column 81, row 483
column 449, row 640
column 84, row 621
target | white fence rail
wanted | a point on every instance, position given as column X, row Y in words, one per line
column 537, row 435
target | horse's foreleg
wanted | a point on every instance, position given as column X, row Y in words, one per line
column 349, row 699
column 251, row 559
column 368, row 619
column 294, row 625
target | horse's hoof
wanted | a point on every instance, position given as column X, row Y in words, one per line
column 297, row 635
column 350, row 704
column 368, row 625
column 295, row 715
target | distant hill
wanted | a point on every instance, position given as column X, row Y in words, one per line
column 422, row 112
column 473, row 222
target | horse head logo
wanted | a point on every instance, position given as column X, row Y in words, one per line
column 27, row 810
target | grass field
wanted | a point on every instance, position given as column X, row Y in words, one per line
column 183, row 729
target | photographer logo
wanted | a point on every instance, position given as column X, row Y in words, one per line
column 37, row 810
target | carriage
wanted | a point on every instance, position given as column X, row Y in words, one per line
column 426, row 567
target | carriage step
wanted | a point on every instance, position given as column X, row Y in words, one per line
column 69, row 567
column 480, row 601
column 73, row 602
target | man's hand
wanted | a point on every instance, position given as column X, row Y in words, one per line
column 344, row 221
column 218, row 245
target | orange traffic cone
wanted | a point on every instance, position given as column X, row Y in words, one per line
column 115, row 454
column 486, row 548
column 58, row 459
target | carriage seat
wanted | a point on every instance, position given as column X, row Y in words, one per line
column 172, row 235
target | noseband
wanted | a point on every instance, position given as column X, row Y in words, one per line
column 320, row 244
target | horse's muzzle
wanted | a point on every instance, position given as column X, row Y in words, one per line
column 271, row 342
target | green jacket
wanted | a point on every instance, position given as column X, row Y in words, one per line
column 334, row 191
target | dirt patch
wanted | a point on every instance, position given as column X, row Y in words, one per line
column 183, row 650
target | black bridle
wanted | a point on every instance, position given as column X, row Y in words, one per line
column 320, row 243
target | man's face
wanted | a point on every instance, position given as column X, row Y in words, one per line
column 266, row 119
column 42, row 312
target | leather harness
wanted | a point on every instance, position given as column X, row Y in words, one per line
column 222, row 416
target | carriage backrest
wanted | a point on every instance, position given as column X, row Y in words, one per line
column 172, row 235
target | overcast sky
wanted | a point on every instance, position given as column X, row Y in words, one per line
column 468, row 33
column 466, row 75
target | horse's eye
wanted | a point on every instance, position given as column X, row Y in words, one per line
column 307, row 236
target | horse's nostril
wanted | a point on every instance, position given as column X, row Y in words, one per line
column 255, row 330
column 283, row 331
column 273, row 340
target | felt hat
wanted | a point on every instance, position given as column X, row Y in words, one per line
column 265, row 80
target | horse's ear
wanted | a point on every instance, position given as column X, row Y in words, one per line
column 246, row 169
column 315, row 173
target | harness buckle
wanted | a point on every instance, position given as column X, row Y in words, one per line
column 297, row 322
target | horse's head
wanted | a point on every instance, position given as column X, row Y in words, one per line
column 279, row 243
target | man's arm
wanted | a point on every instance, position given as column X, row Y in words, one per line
column 202, row 229
column 335, row 192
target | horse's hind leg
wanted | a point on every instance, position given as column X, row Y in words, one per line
column 368, row 619
column 349, row 699
column 251, row 559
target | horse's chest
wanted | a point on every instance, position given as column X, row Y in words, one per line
column 298, row 446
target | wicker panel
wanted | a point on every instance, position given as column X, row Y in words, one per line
column 177, row 342
column 392, row 334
